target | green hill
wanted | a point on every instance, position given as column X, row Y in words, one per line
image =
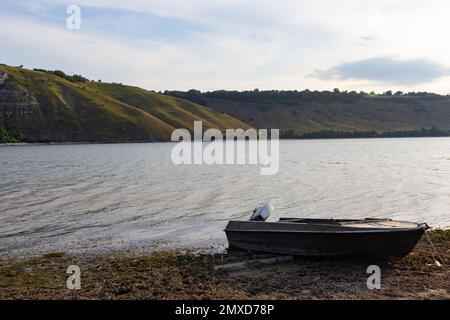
column 42, row 106
column 332, row 114
column 50, row 106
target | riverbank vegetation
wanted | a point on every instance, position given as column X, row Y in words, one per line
column 186, row 275
column 332, row 114
column 52, row 106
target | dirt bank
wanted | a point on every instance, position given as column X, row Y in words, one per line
column 176, row 275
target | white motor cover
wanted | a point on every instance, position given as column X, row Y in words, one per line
column 262, row 213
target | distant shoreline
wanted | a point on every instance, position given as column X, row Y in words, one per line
column 73, row 143
column 284, row 139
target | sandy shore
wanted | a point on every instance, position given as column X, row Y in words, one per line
column 177, row 275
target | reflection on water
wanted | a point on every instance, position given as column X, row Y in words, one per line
column 109, row 196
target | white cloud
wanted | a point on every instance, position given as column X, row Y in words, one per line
column 150, row 64
column 387, row 70
column 243, row 43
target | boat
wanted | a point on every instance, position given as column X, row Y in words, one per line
column 368, row 238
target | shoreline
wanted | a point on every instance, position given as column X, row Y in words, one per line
column 168, row 141
column 188, row 275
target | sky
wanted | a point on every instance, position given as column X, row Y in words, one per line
column 236, row 44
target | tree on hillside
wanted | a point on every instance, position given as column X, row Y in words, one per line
column 59, row 73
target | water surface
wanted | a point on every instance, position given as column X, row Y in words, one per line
column 110, row 196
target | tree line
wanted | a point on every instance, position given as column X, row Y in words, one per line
column 61, row 74
column 289, row 96
column 328, row 134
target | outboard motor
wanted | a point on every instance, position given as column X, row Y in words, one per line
column 262, row 213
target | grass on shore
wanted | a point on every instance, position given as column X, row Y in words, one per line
column 176, row 275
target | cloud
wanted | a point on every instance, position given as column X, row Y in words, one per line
column 159, row 44
column 370, row 41
column 387, row 70
column 231, row 44
column 151, row 64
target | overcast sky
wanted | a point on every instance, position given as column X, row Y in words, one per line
column 237, row 44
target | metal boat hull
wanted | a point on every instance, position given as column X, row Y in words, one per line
column 323, row 240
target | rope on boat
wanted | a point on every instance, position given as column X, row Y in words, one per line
column 433, row 250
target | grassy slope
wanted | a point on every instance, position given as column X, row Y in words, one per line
column 178, row 113
column 37, row 106
column 378, row 113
